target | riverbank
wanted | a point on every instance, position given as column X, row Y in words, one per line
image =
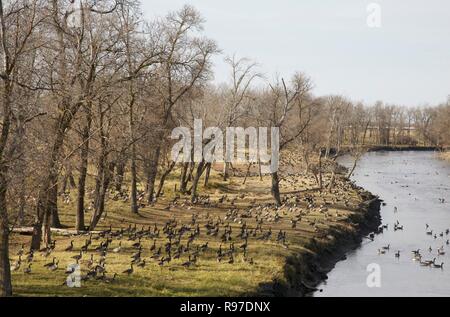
column 319, row 227
column 445, row 155
column 377, row 148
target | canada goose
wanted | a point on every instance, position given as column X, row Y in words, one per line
column 78, row 256
column 428, row 262
column 137, row 245
column 387, row 248
column 129, row 271
column 70, row 247
column 397, row 254
column 20, row 252
column 90, row 263
column 441, row 251
column 153, row 246
column 51, row 263
column 30, row 256
column 430, row 233
column 16, row 265
column 110, row 279
column 119, row 248
column 27, row 270
column 381, row 251
column 187, row 263
column 141, row 264
column 54, row 267
column 438, row 266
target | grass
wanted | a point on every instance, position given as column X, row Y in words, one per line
column 207, row 277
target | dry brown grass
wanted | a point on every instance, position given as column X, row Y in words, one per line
column 207, row 277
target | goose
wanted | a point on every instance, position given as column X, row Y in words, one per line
column 129, row 271
column 438, row 266
column 20, row 252
column 428, row 263
column 119, row 248
column 51, row 263
column 430, row 233
column 137, row 245
column 54, row 267
column 16, row 265
column 110, row 279
column 397, row 254
column 78, row 256
column 187, row 263
column 27, row 270
column 153, row 246
column 141, row 264
column 70, row 247
column 387, row 248
column 441, row 251
column 30, row 256
column 90, row 263
column 381, row 251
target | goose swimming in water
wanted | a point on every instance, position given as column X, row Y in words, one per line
column 438, row 266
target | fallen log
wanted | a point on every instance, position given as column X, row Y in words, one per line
column 63, row 232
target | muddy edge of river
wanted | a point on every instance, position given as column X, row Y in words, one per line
column 311, row 269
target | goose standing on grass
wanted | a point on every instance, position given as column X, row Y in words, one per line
column 129, row 271
column 78, row 256
column 16, row 265
column 70, row 247
column 119, row 248
column 54, row 267
column 20, row 252
column 27, row 270
column 47, row 265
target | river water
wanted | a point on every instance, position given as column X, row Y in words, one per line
column 414, row 182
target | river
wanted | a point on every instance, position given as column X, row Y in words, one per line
column 414, row 183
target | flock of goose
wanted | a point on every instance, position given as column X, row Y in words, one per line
column 164, row 244
column 417, row 255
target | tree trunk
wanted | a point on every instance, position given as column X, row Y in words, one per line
column 5, row 273
column 134, row 202
column 120, row 171
column 198, row 174
column 225, row 171
column 100, row 208
column 84, row 157
column 247, row 173
column 275, row 189
column 184, row 177
column 163, row 178
column 208, row 173
column 53, row 206
column 153, row 171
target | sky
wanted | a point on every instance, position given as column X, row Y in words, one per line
column 404, row 61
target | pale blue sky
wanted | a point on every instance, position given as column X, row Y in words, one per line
column 406, row 61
